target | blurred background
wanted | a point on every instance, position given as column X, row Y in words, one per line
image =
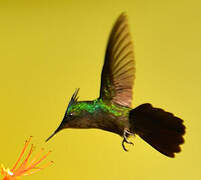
column 48, row 48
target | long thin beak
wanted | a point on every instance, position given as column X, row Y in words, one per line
column 50, row 137
column 57, row 130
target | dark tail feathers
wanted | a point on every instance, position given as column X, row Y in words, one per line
column 161, row 129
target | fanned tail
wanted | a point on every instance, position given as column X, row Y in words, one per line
column 161, row 129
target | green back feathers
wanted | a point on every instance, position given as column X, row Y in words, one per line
column 96, row 106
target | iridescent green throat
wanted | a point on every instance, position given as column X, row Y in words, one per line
column 98, row 104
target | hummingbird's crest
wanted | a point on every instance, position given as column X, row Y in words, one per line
column 73, row 99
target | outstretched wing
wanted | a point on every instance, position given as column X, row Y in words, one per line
column 119, row 68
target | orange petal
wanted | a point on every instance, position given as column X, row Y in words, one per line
column 23, row 150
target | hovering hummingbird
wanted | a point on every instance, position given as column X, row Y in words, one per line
column 112, row 110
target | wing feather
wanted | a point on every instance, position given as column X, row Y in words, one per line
column 119, row 67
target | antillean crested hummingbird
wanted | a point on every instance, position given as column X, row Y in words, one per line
column 112, row 110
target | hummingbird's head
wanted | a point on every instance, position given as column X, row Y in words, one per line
column 77, row 114
column 71, row 115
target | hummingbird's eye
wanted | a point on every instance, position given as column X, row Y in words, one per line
column 70, row 115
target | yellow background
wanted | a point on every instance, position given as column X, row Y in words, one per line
column 49, row 48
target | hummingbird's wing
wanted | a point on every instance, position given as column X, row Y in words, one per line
column 119, row 67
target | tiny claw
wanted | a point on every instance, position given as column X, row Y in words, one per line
column 128, row 142
column 124, row 145
column 125, row 140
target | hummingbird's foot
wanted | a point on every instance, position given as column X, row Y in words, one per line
column 125, row 140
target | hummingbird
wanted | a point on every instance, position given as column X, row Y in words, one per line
column 112, row 111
